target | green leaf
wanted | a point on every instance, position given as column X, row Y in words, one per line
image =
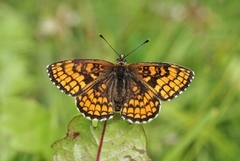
column 25, row 124
column 122, row 141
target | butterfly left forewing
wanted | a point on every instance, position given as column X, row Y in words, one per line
column 165, row 80
column 74, row 76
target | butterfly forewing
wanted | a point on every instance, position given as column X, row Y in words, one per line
column 165, row 80
column 75, row 76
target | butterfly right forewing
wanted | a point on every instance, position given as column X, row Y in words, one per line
column 166, row 80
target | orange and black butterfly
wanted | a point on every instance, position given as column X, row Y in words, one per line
column 102, row 88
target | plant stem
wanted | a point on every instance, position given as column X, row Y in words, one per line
column 101, row 141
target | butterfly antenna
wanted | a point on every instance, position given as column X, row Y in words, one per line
column 146, row 41
column 109, row 44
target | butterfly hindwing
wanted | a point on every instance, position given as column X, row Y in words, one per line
column 96, row 102
column 141, row 104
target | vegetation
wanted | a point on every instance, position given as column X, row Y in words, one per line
column 201, row 124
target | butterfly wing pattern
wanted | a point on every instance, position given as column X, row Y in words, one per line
column 165, row 80
column 141, row 105
column 96, row 103
column 102, row 88
column 75, row 76
column 84, row 79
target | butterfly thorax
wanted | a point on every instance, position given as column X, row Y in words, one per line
column 119, row 90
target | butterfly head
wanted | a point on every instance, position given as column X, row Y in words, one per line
column 121, row 59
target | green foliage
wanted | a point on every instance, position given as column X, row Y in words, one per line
column 119, row 143
column 201, row 124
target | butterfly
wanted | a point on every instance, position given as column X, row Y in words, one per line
column 102, row 88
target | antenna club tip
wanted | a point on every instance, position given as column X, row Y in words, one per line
column 101, row 35
column 147, row 40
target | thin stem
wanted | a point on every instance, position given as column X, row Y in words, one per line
column 101, row 141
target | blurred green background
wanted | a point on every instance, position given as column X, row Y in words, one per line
column 201, row 124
